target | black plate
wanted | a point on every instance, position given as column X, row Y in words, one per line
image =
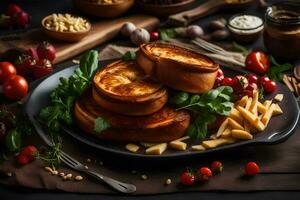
column 280, row 128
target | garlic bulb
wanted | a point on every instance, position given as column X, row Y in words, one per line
column 194, row 31
column 140, row 36
column 127, row 29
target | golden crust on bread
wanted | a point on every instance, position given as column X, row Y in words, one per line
column 177, row 67
column 122, row 87
column 162, row 126
column 125, row 79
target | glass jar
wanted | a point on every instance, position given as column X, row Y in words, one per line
column 282, row 30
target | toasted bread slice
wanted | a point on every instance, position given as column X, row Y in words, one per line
column 122, row 87
column 163, row 126
column 177, row 67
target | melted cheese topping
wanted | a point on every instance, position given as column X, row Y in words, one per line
column 125, row 79
column 176, row 55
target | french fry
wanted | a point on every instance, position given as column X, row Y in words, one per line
column 267, row 116
column 253, row 106
column 234, row 124
column 157, row 149
column 247, row 126
column 213, row 136
column 183, row 138
column 226, row 133
column 243, row 101
column 209, row 144
column 261, row 108
column 248, row 104
column 235, row 114
column 222, row 128
column 252, row 119
column 240, row 134
column 277, row 110
column 178, row 145
column 278, row 97
column 198, row 147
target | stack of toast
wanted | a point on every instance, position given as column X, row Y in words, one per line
column 133, row 95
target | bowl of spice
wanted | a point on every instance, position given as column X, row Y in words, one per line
column 245, row 28
column 103, row 8
column 65, row 27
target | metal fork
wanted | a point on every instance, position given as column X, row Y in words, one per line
column 117, row 185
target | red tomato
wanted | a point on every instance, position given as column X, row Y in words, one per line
column 251, row 87
column 239, row 83
column 251, row 169
column 42, row 68
column 218, row 82
column 7, row 70
column 24, row 65
column 22, row 19
column 270, row 86
column 154, row 36
column 263, row 80
column 216, row 167
column 15, row 88
column 46, row 50
column 227, row 81
column 13, row 10
column 203, row 174
column 187, row 178
column 257, row 62
column 29, row 151
column 252, row 78
column 22, row 159
column 32, row 53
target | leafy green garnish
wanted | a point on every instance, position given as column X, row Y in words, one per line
column 129, row 55
column 240, row 48
column 276, row 70
column 51, row 155
column 13, row 141
column 63, row 97
column 100, row 124
column 165, row 34
column 204, row 107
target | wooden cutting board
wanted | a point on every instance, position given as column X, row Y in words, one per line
column 101, row 32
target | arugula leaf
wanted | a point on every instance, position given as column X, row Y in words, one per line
column 205, row 107
column 101, row 124
column 276, row 70
column 129, row 55
column 64, row 95
column 166, row 34
column 13, row 141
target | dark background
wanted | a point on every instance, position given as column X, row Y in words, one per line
column 40, row 8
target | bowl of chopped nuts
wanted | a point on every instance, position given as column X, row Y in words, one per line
column 103, row 8
column 66, row 27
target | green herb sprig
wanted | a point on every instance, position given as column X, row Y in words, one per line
column 276, row 70
column 204, row 108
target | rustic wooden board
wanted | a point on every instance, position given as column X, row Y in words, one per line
column 101, row 32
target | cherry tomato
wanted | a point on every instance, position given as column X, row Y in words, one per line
column 216, row 167
column 252, row 78
column 251, row 87
column 257, row 62
column 22, row 159
column 239, row 83
column 251, row 169
column 42, row 68
column 203, row 174
column 270, row 86
column 187, row 178
column 24, row 65
column 154, row 36
column 263, row 80
column 220, row 73
column 46, row 50
column 13, row 9
column 7, row 70
column 15, row 88
column 227, row 81
column 29, row 151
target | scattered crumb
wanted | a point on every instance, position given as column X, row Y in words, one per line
column 168, row 181
column 144, row 177
column 88, row 160
column 86, row 167
column 9, row 174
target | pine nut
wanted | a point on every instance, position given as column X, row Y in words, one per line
column 78, row 178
